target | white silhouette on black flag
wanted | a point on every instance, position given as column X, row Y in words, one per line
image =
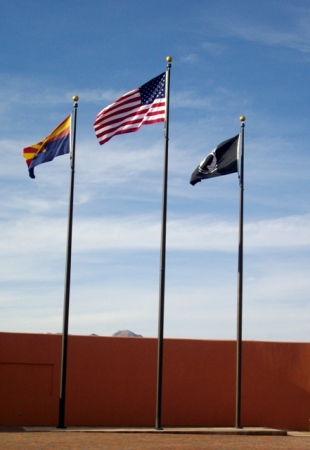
column 221, row 161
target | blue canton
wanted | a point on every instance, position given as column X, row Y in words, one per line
column 153, row 89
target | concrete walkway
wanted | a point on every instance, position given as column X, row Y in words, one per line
column 254, row 431
column 42, row 438
column 80, row 438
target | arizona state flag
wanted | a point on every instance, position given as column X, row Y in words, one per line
column 55, row 144
column 221, row 161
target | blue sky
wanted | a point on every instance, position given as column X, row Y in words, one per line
column 230, row 58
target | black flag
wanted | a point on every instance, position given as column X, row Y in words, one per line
column 221, row 161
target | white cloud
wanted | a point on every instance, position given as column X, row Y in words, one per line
column 282, row 233
column 190, row 58
column 295, row 36
column 40, row 234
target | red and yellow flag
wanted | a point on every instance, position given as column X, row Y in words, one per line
column 55, row 144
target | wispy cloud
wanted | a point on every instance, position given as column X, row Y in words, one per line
column 214, row 48
column 296, row 40
column 190, row 58
column 37, row 93
column 295, row 36
column 142, row 231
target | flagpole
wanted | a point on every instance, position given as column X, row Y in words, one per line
column 63, row 373
column 240, row 280
column 163, row 258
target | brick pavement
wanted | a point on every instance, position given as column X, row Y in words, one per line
column 147, row 441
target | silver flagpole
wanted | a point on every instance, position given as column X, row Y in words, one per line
column 163, row 258
column 240, row 280
column 63, row 375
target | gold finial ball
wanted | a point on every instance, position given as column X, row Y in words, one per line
column 169, row 58
column 242, row 118
column 75, row 98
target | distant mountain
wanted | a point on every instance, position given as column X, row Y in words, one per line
column 127, row 333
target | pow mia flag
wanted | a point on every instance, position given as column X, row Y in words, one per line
column 221, row 161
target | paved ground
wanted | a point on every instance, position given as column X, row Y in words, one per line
column 86, row 440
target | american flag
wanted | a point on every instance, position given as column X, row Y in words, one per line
column 144, row 105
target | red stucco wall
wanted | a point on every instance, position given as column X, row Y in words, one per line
column 111, row 381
